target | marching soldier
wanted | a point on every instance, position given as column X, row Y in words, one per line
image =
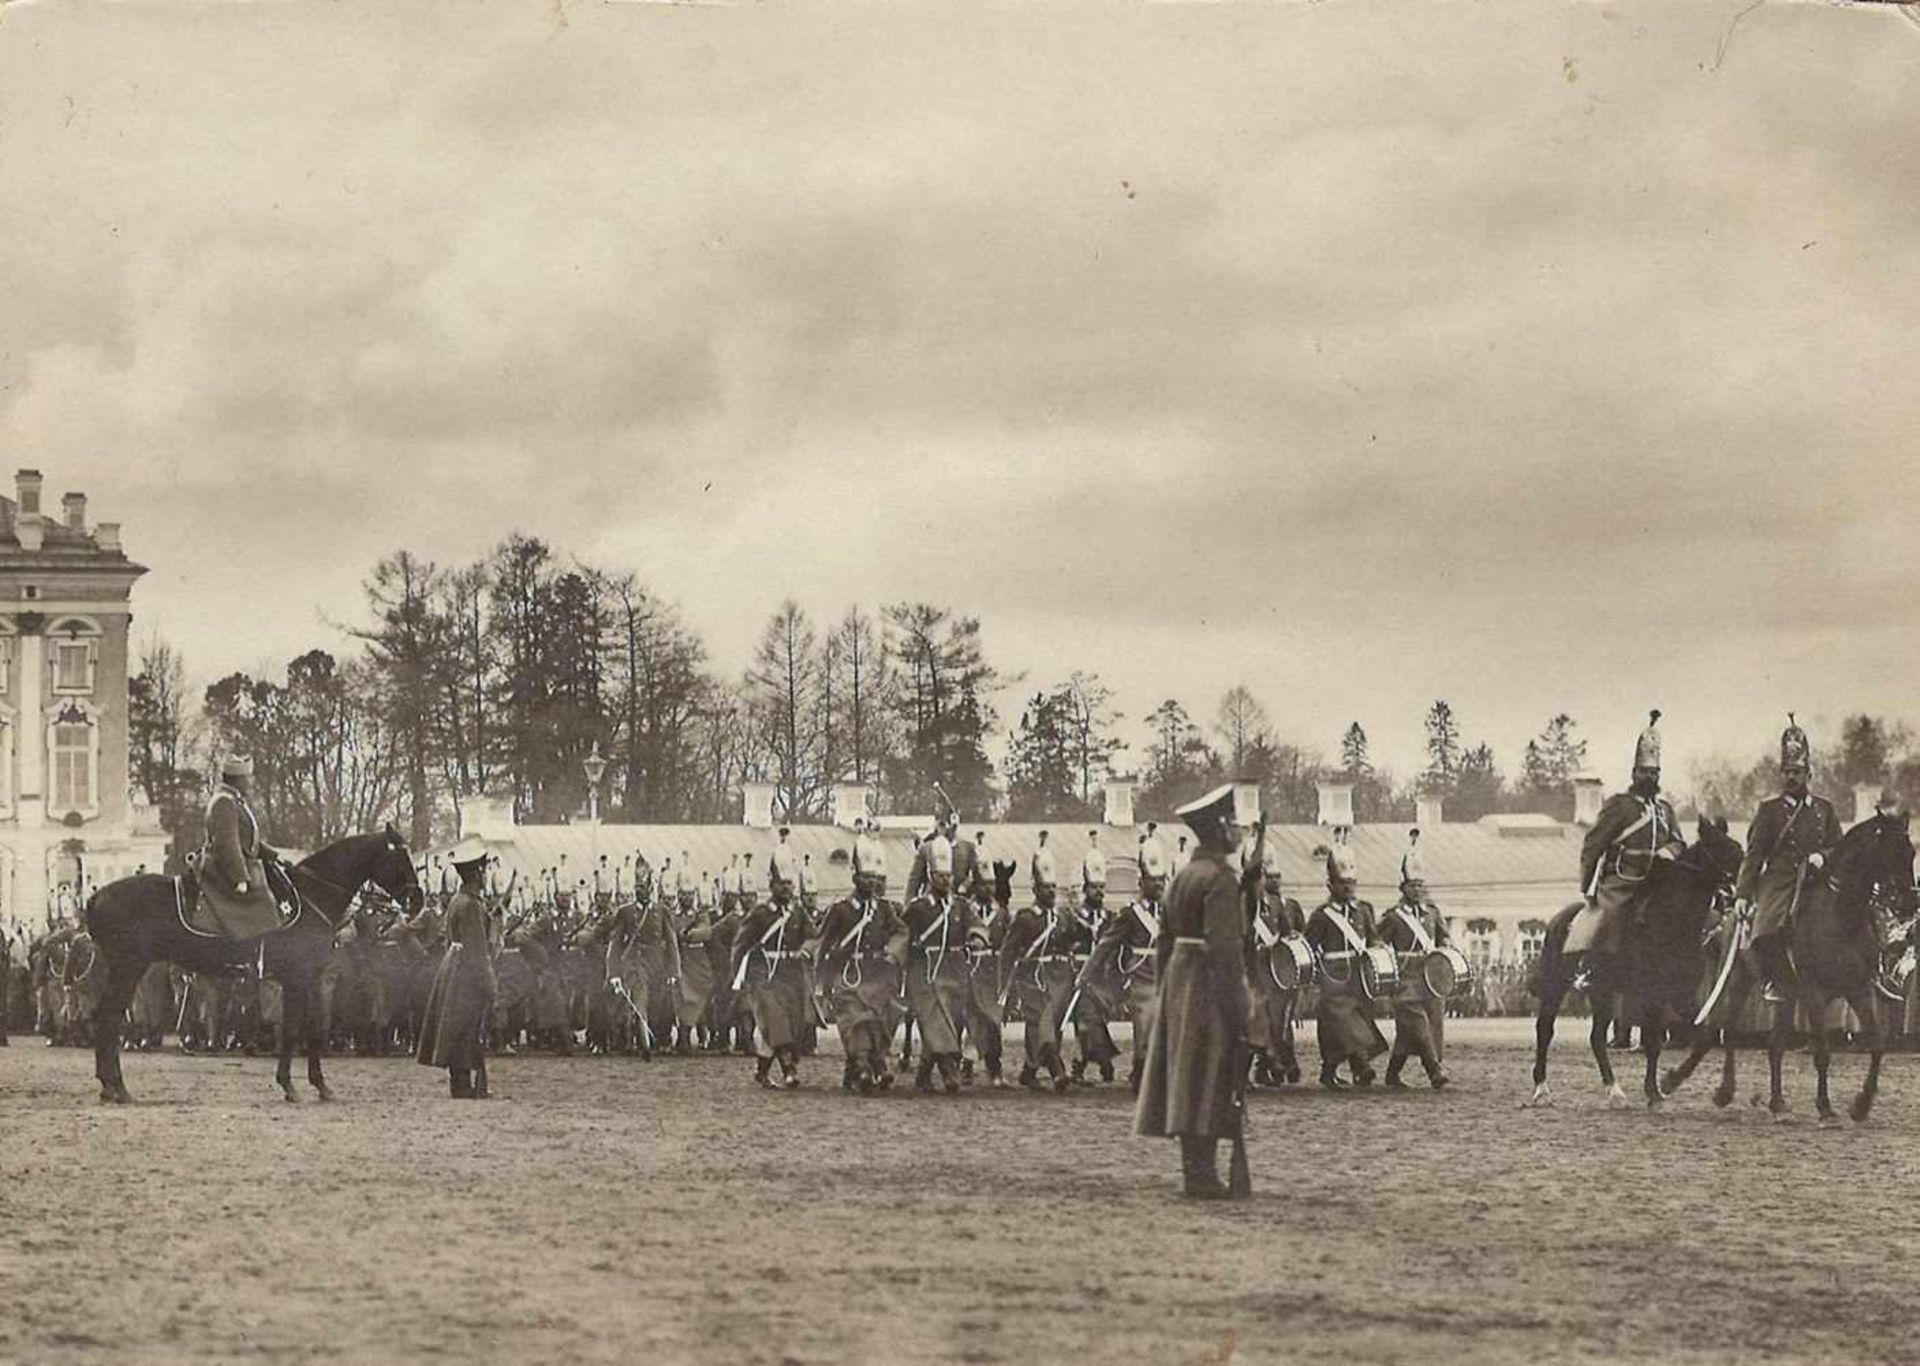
column 1122, row 964
column 1092, row 1010
column 767, row 965
column 1341, row 931
column 1042, row 868
column 1191, row 1087
column 1037, row 968
column 1270, row 1006
column 1413, row 929
column 854, row 949
column 1633, row 829
column 1790, row 838
column 454, row 1018
column 985, row 1016
column 693, row 926
column 937, row 930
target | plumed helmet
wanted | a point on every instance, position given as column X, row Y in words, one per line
column 939, row 855
column 1340, row 863
column 784, row 865
column 1646, row 751
column 1153, row 858
column 1093, row 868
column 749, row 884
column 1413, row 863
column 236, row 766
column 1044, row 871
column 1795, row 750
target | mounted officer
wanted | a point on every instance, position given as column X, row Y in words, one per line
column 232, row 866
column 1790, row 838
column 1634, row 830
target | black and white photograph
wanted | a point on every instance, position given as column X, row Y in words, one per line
column 810, row 681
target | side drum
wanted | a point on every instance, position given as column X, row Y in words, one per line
column 1292, row 960
column 1445, row 974
column 1379, row 972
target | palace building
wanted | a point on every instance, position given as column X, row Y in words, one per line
column 69, row 821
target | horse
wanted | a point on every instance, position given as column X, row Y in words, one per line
column 1835, row 955
column 1659, row 963
column 136, row 921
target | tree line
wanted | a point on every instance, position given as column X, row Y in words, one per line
column 501, row 677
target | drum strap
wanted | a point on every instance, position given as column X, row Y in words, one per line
column 1267, row 935
column 1345, row 926
column 1421, row 938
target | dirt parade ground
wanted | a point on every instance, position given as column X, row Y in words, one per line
column 613, row 1210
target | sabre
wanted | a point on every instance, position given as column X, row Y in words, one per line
column 620, row 990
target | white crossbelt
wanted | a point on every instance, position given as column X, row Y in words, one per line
column 1420, row 935
column 1355, row 943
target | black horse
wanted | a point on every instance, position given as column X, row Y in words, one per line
column 1836, row 955
column 136, row 921
column 1659, row 963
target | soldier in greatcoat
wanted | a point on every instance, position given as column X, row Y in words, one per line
column 1340, row 931
column 1123, row 966
column 767, row 965
column 453, row 1020
column 1094, row 1009
column 1038, row 967
column 853, row 948
column 937, row 929
column 1789, row 841
column 1413, row 929
column 986, row 1018
column 1191, row 1089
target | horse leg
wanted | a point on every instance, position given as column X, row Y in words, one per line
column 293, row 1010
column 1598, row 1036
column 1868, row 1009
column 1777, row 1104
column 123, row 978
column 1552, row 993
column 316, row 1038
column 1653, row 1035
column 1822, row 1056
column 1723, row 1094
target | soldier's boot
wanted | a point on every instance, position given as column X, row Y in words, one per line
column 1437, row 1077
column 1256, row 1067
column 882, row 1074
column 1030, row 1077
column 1394, row 1066
column 1200, row 1169
column 683, row 1042
column 460, row 1083
column 1331, row 1079
column 949, row 1074
column 923, row 1075
column 966, row 1070
column 763, row 1073
column 789, row 1061
column 1363, row 1075
column 1058, row 1071
column 1133, row 1077
column 1289, row 1064
column 995, row 1077
column 1106, row 1069
column 1078, row 1075
column 850, row 1075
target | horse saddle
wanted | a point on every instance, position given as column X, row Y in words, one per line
column 209, row 908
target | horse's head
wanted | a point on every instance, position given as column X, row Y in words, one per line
column 392, row 870
column 1875, row 857
column 1714, row 853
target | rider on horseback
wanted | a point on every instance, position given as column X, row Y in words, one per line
column 1791, row 836
column 1633, row 830
column 233, row 865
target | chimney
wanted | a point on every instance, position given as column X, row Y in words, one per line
column 849, row 803
column 1587, row 797
column 1864, row 797
column 1246, row 803
column 74, row 505
column 1429, row 811
column 26, row 484
column 1336, row 802
column 107, row 536
column 1119, row 802
column 756, row 805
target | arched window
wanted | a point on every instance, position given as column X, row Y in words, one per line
column 73, row 654
column 73, row 754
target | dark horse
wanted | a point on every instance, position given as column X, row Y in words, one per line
column 1659, row 963
column 1836, row 955
column 136, row 922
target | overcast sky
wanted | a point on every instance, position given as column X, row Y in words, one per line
column 1537, row 356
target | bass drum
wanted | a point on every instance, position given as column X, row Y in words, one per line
column 1292, row 961
column 1445, row 974
column 1379, row 972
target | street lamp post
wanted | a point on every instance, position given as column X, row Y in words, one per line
column 596, row 767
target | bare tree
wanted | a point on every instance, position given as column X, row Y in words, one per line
column 1240, row 722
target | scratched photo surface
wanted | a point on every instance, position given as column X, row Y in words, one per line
column 1241, row 378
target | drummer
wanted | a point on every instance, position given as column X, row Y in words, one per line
column 1340, row 932
column 1270, row 1004
column 1413, row 929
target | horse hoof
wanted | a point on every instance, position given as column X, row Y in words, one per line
column 115, row 1095
column 1670, row 1081
column 1829, row 1119
column 1862, row 1107
column 324, row 1092
column 1541, row 1099
column 1616, row 1098
column 1654, row 1101
column 1722, row 1098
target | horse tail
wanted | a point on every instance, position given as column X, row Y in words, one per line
column 1551, row 965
